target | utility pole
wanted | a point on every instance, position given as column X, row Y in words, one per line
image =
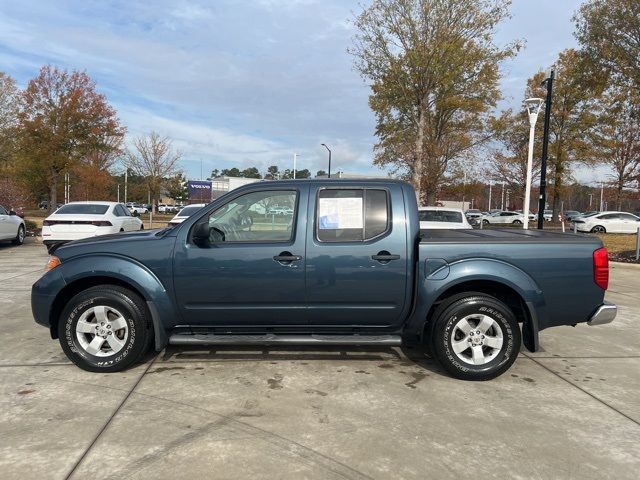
column 118, row 193
column 489, row 206
column 601, row 196
column 545, row 147
column 126, row 172
column 502, row 201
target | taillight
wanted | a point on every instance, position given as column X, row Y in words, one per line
column 601, row 268
column 102, row 223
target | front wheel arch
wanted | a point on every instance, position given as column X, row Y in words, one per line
column 598, row 229
column 72, row 289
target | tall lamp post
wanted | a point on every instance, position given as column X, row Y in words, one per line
column 542, row 203
column 533, row 108
column 329, row 150
column 295, row 161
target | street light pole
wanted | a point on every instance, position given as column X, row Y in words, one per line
column 545, row 146
column 490, row 185
column 329, row 150
column 533, row 108
column 295, row 159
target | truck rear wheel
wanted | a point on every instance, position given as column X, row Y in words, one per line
column 105, row 328
column 475, row 337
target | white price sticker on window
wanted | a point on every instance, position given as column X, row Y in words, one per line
column 338, row 213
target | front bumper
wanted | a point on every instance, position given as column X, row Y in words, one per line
column 43, row 294
column 605, row 313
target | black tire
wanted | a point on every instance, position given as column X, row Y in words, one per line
column 135, row 342
column 598, row 229
column 19, row 240
column 444, row 332
column 517, row 222
column 485, row 222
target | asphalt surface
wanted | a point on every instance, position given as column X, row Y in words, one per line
column 571, row 410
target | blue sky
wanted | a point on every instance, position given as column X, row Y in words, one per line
column 240, row 83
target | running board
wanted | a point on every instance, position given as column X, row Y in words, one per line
column 272, row 339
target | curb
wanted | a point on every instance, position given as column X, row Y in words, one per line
column 624, row 264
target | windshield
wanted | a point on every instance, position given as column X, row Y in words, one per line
column 82, row 209
column 188, row 211
column 440, row 216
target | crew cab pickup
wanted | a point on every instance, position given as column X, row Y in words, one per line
column 346, row 265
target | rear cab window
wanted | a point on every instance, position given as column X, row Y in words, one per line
column 352, row 214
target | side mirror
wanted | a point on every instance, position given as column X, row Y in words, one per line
column 201, row 233
column 12, row 213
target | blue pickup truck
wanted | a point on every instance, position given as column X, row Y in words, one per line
column 320, row 262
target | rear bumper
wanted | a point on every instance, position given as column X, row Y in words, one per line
column 605, row 313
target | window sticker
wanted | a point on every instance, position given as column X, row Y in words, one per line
column 336, row 213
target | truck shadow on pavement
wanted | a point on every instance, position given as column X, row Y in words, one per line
column 386, row 357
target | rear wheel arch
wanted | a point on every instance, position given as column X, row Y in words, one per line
column 506, row 294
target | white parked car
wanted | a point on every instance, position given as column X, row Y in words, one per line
column 473, row 213
column 185, row 213
column 442, row 218
column 608, row 222
column 137, row 208
column 11, row 227
column 77, row 220
column 503, row 218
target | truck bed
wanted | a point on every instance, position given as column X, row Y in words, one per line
column 504, row 235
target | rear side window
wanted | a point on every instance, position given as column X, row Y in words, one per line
column 440, row 216
column 351, row 215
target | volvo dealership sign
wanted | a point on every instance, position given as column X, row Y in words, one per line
column 199, row 190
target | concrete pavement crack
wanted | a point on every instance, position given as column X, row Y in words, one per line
column 533, row 359
column 108, row 422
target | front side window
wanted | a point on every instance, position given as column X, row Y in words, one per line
column 249, row 218
column 351, row 215
column 2, row 210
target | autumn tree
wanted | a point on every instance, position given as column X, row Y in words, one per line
column 177, row 187
column 272, row 173
column 609, row 33
column 153, row 158
column 618, row 140
column 62, row 119
column 8, row 118
column 251, row 172
column 90, row 177
column 574, row 114
column 434, row 69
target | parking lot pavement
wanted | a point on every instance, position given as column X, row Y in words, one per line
column 571, row 410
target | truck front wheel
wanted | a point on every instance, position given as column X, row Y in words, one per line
column 475, row 337
column 105, row 328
